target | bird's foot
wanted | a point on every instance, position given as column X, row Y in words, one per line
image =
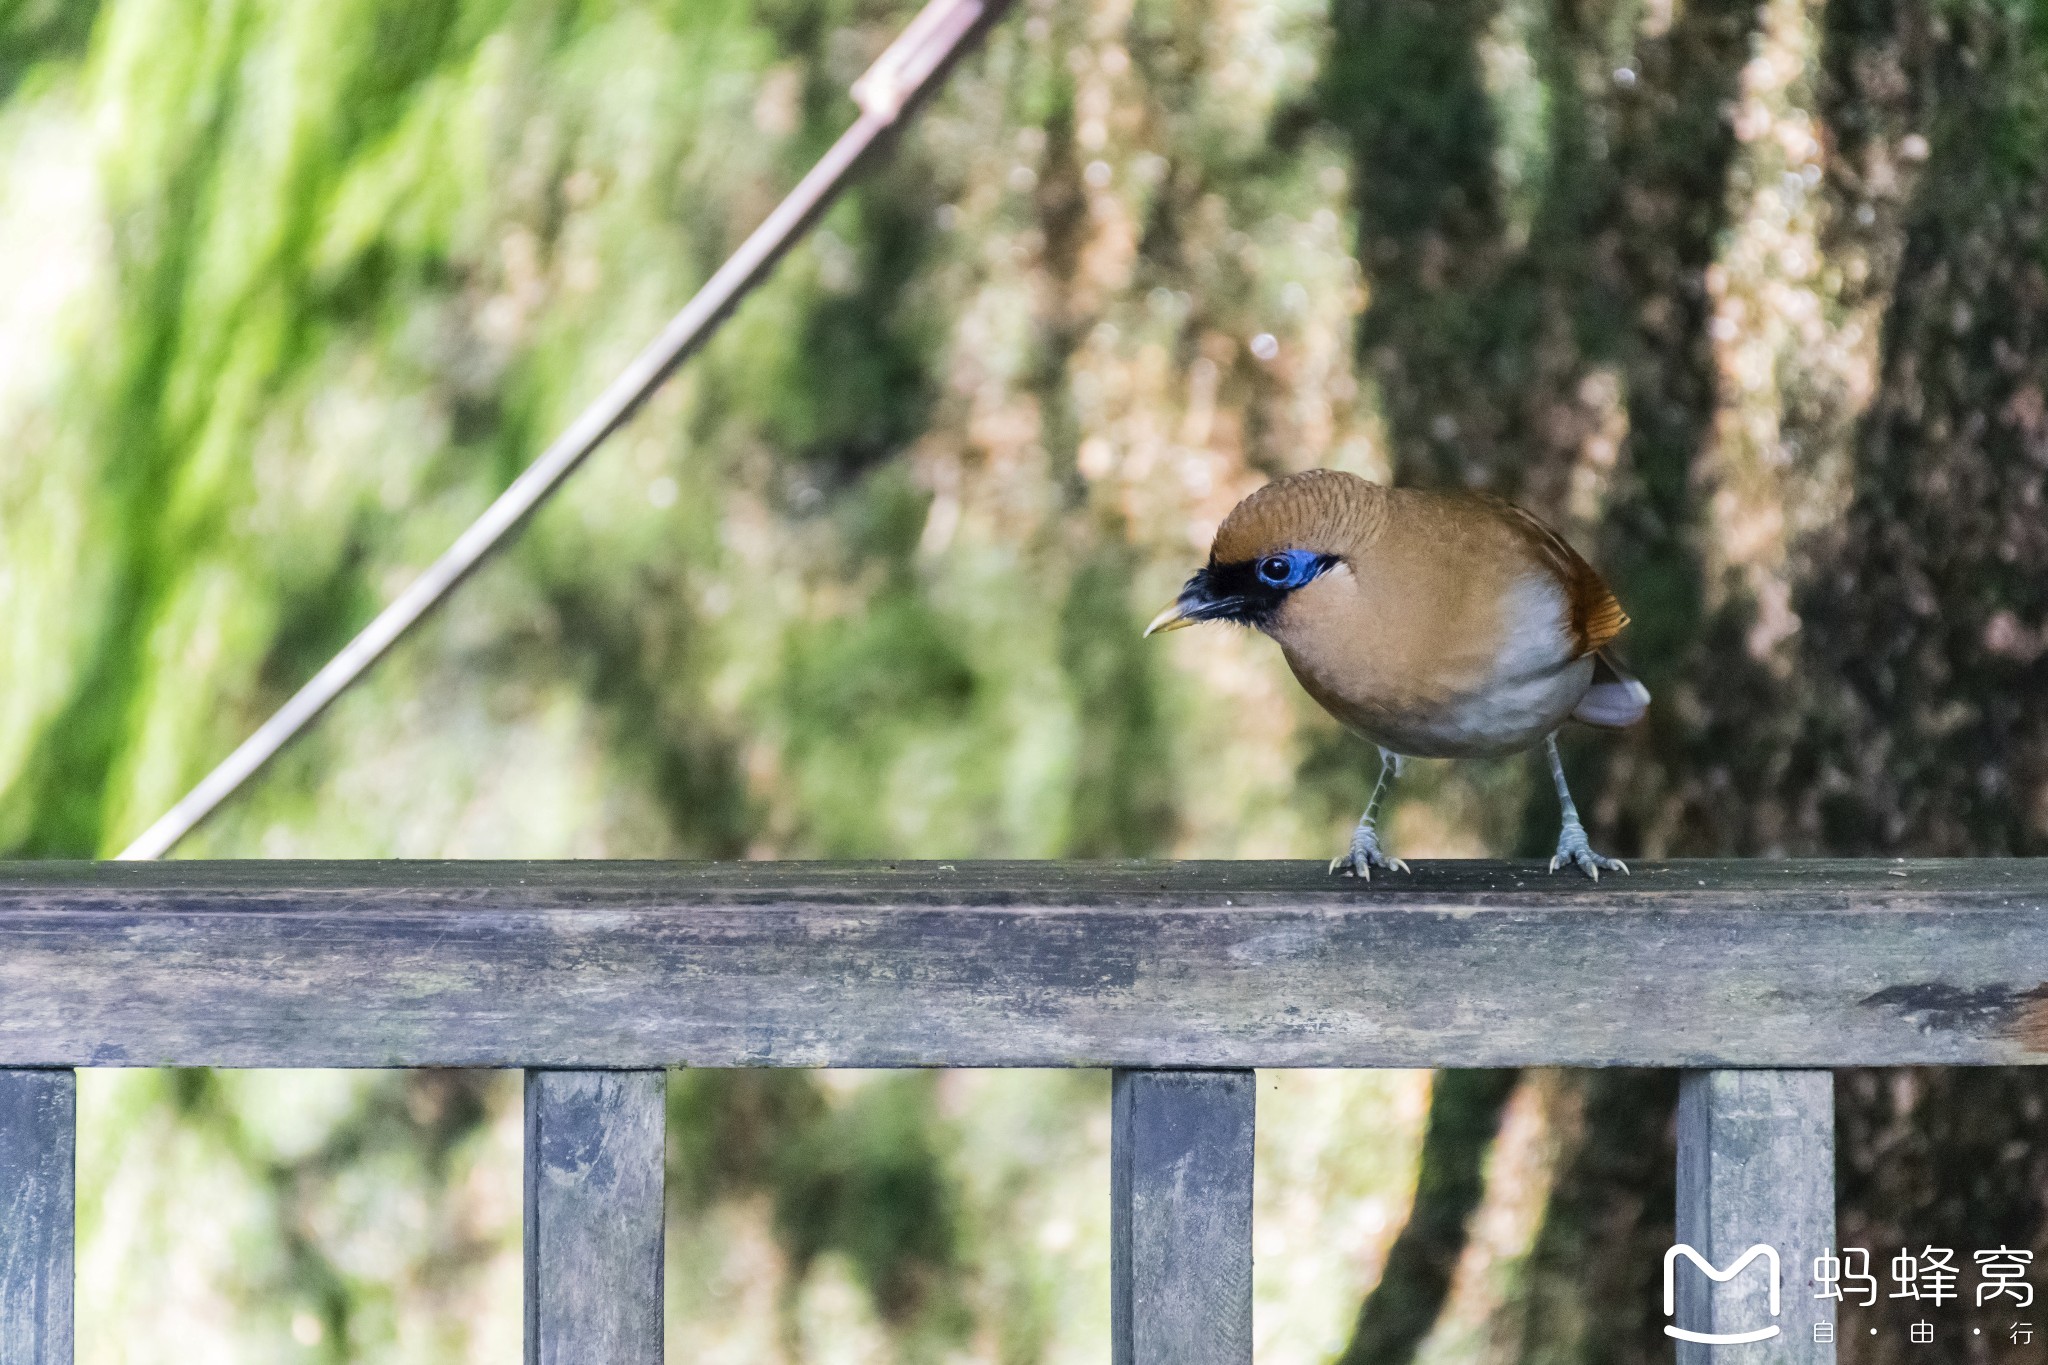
column 1365, row 854
column 1572, row 848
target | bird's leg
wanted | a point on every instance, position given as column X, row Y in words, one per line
column 1571, row 840
column 1365, row 853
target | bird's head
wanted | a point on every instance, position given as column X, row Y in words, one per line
column 1284, row 537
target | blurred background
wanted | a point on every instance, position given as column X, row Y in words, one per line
column 1750, row 299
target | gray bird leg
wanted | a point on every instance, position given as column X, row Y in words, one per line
column 1571, row 840
column 1365, row 853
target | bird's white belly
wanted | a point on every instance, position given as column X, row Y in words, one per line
column 1533, row 686
column 1504, row 719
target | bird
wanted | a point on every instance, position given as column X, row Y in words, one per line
column 1432, row 624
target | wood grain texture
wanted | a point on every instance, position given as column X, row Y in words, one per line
column 37, row 1140
column 594, row 1142
column 1180, row 1250
column 1216, row 965
column 1756, row 1165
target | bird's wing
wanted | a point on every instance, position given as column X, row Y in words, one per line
column 1596, row 617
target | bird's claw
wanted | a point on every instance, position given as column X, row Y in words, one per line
column 1363, row 856
column 1572, row 848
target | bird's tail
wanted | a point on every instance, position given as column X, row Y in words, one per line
column 1615, row 699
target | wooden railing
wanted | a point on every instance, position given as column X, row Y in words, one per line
column 594, row 977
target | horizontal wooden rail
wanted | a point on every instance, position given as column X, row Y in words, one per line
column 1184, row 976
column 1197, row 965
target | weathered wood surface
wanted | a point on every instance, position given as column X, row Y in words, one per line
column 1020, row 964
column 1180, row 1189
column 37, row 1127
column 1756, row 1167
column 594, row 1217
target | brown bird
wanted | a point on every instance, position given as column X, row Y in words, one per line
column 1436, row 625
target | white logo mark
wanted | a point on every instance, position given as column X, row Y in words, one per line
column 1769, row 1253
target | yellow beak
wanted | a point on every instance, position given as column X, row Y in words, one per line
column 1174, row 617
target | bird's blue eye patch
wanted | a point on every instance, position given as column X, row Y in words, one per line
column 1290, row 568
column 1250, row 591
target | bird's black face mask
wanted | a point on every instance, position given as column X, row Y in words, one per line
column 1248, row 591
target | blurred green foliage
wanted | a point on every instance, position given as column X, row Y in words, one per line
column 287, row 293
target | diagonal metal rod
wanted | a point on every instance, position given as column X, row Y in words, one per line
column 912, row 66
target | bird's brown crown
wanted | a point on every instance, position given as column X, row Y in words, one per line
column 1325, row 510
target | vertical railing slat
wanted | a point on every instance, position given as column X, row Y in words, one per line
column 1181, row 1217
column 1756, row 1165
column 38, row 1138
column 594, row 1217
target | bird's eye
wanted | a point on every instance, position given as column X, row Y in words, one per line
column 1275, row 569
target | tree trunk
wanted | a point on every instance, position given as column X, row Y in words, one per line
column 1830, row 536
